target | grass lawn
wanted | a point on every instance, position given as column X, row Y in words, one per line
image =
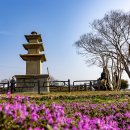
column 82, row 96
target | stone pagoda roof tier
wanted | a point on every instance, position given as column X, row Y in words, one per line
column 28, row 57
column 34, row 46
column 32, row 37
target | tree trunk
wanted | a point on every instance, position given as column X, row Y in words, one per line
column 127, row 69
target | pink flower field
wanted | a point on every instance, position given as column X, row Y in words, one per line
column 22, row 113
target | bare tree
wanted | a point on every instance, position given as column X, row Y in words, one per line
column 110, row 38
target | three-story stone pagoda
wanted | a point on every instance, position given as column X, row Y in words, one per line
column 34, row 59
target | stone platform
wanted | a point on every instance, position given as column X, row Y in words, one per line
column 27, row 81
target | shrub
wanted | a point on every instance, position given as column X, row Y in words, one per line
column 124, row 84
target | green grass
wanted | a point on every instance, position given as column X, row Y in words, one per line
column 88, row 96
column 33, row 94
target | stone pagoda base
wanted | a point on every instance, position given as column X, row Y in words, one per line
column 26, row 81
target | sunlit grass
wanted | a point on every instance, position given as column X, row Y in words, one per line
column 81, row 96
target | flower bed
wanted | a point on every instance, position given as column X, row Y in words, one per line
column 19, row 113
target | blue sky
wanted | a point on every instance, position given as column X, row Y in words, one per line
column 61, row 23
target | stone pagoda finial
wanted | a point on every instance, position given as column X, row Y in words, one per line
column 34, row 33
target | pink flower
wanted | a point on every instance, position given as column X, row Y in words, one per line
column 8, row 95
column 0, row 107
column 34, row 116
column 127, row 114
column 37, row 128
